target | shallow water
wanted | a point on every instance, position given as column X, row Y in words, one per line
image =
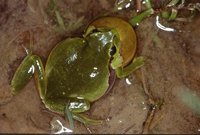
column 171, row 68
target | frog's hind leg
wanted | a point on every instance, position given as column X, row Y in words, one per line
column 31, row 65
column 85, row 119
column 77, row 107
column 72, row 108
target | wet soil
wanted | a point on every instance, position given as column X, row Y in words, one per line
column 153, row 103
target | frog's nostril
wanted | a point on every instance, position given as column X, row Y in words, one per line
column 113, row 50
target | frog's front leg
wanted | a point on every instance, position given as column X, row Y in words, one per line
column 31, row 65
column 136, row 63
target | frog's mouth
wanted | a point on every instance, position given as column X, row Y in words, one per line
column 111, row 81
column 112, row 76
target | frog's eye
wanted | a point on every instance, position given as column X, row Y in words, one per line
column 95, row 30
column 113, row 51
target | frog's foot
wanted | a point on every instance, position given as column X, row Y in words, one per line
column 85, row 119
column 79, row 117
column 77, row 106
column 72, row 108
column 134, row 65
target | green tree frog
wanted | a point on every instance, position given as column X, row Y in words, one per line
column 77, row 70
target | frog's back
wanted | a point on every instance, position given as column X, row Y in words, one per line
column 75, row 70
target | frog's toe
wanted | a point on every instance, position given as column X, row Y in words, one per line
column 86, row 120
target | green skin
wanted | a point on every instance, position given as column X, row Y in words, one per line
column 76, row 73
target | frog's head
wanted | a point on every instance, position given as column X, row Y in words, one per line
column 123, row 45
column 108, row 39
column 125, row 41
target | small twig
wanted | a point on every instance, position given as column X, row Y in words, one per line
column 25, row 30
column 7, row 100
column 144, row 83
column 29, row 117
column 155, row 123
column 49, row 112
column 152, row 110
column 138, row 6
column 148, row 121
column 88, row 129
column 128, row 128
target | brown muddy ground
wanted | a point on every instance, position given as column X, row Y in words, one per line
column 153, row 103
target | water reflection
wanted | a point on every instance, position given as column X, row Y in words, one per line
column 58, row 128
column 190, row 98
column 122, row 4
column 129, row 80
column 159, row 25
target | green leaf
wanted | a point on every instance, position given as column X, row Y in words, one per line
column 139, row 18
column 148, row 4
column 165, row 14
column 172, row 3
column 60, row 20
column 173, row 14
column 52, row 5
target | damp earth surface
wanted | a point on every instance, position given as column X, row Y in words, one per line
column 151, row 100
